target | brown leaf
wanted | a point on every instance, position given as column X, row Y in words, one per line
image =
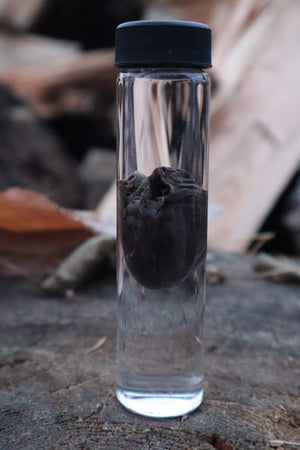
column 22, row 210
column 35, row 234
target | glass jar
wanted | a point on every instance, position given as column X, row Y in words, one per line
column 162, row 188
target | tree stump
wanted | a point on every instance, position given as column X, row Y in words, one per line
column 57, row 361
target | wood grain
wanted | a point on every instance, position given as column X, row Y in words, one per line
column 255, row 147
column 53, row 394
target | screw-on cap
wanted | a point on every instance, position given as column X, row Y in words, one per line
column 163, row 43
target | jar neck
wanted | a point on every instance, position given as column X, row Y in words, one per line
column 163, row 69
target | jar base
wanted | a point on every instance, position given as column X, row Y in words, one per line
column 160, row 405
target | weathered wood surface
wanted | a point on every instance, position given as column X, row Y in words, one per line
column 56, row 395
column 255, row 141
column 45, row 84
column 18, row 50
column 255, row 134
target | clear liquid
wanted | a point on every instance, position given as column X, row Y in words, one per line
column 160, row 347
column 163, row 121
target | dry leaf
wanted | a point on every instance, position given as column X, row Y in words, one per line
column 214, row 274
column 35, row 234
column 22, row 211
column 96, row 346
column 280, row 269
column 85, row 261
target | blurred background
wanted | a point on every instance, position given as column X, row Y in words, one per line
column 57, row 114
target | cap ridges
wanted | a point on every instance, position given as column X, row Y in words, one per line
column 163, row 43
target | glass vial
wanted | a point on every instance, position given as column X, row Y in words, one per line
column 163, row 96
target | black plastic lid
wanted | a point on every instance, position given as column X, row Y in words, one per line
column 163, row 43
